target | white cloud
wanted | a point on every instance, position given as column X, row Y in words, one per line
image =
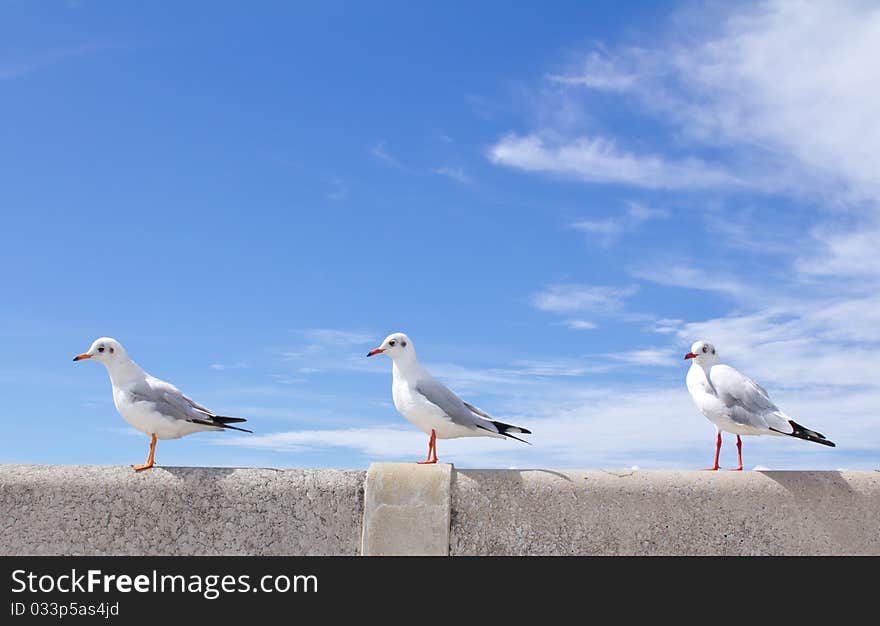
column 381, row 152
column 338, row 190
column 577, row 324
column 597, row 71
column 792, row 86
column 810, row 343
column 12, row 68
column 693, row 278
column 573, row 298
column 455, row 173
column 853, row 253
column 650, row 356
column 598, row 160
column 607, row 231
column 336, row 337
column 229, row 366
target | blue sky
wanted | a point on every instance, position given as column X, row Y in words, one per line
column 554, row 202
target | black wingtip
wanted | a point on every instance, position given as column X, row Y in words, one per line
column 228, row 427
column 808, row 435
column 517, row 438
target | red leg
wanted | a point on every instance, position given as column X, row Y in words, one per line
column 717, row 453
column 739, row 454
column 432, row 448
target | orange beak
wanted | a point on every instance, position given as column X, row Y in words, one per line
column 690, row 355
column 80, row 357
column 375, row 351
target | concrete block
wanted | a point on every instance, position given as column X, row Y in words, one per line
column 549, row 512
column 95, row 510
column 407, row 509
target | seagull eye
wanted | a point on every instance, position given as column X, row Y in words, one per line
column 392, row 342
column 705, row 349
column 101, row 349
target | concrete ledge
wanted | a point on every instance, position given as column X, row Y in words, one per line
column 665, row 513
column 70, row 510
column 411, row 509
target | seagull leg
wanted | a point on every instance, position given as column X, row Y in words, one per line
column 432, row 448
column 739, row 454
column 717, row 453
column 150, row 457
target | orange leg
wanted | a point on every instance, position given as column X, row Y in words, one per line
column 432, row 449
column 739, row 454
column 150, row 457
column 717, row 453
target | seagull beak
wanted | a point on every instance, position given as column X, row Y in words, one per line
column 690, row 355
column 80, row 357
column 375, row 351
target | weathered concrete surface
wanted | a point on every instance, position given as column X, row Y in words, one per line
column 413, row 509
column 665, row 513
column 407, row 510
column 70, row 510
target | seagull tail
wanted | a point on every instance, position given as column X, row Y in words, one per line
column 506, row 429
column 810, row 435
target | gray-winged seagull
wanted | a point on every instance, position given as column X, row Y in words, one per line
column 152, row 406
column 737, row 404
column 432, row 406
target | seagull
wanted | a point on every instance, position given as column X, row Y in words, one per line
column 152, row 406
column 737, row 404
column 433, row 407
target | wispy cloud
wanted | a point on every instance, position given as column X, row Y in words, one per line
column 381, row 152
column 758, row 83
column 336, row 337
column 694, row 278
column 578, row 324
column 455, row 173
column 338, row 190
column 609, row 230
column 219, row 367
column 597, row 71
column 852, row 253
column 650, row 356
column 577, row 298
column 599, row 160
column 26, row 64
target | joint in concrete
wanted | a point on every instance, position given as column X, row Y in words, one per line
column 407, row 510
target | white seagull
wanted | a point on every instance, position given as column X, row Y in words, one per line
column 432, row 406
column 152, row 406
column 737, row 404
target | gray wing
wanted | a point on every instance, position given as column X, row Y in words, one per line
column 747, row 401
column 456, row 409
column 478, row 411
column 170, row 401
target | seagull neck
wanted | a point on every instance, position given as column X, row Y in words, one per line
column 406, row 367
column 124, row 372
column 706, row 364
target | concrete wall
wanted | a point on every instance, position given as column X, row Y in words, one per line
column 412, row 509
column 75, row 509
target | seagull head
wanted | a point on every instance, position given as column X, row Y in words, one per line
column 106, row 350
column 396, row 345
column 702, row 352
